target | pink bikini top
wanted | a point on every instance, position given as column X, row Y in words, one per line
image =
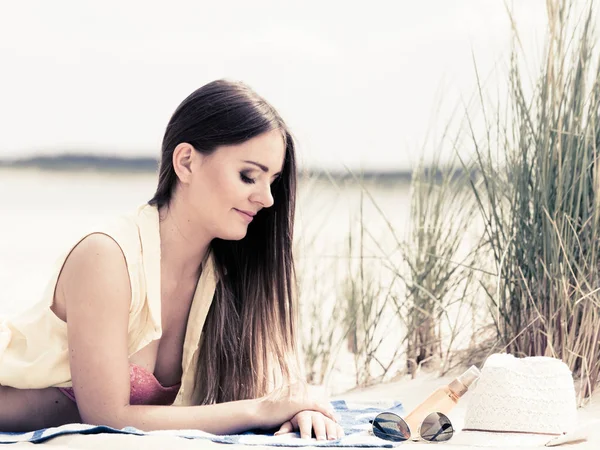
column 145, row 389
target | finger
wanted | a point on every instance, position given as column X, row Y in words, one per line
column 318, row 423
column 325, row 409
column 332, row 430
column 305, row 425
column 286, row 427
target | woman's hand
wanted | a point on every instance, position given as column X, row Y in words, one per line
column 305, row 421
column 284, row 403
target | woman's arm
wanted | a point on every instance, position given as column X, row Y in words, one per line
column 95, row 291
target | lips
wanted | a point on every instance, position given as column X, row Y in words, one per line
column 248, row 215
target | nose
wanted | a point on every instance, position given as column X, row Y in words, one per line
column 263, row 195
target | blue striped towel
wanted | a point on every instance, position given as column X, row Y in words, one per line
column 354, row 418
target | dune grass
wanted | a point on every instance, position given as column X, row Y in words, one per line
column 532, row 191
column 539, row 198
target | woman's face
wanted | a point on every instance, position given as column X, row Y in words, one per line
column 231, row 185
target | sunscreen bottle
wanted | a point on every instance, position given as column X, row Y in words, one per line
column 442, row 400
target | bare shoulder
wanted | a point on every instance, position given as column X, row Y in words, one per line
column 95, row 269
column 95, row 248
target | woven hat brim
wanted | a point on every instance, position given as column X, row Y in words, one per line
column 487, row 439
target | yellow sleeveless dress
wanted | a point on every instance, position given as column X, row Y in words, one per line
column 33, row 343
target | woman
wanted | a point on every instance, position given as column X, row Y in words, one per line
column 181, row 315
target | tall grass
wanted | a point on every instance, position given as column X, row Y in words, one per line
column 539, row 198
column 536, row 194
column 323, row 328
column 344, row 298
column 366, row 294
column 438, row 259
column 429, row 290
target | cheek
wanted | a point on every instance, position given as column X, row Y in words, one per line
column 224, row 191
column 233, row 189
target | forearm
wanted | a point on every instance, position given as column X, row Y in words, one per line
column 220, row 418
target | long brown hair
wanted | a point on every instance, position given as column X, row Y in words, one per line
column 249, row 337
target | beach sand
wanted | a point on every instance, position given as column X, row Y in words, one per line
column 409, row 391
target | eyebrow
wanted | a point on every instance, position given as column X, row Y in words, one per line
column 261, row 167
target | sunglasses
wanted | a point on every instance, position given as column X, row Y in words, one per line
column 436, row 427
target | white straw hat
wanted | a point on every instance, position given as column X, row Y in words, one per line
column 519, row 402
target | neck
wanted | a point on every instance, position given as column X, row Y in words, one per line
column 183, row 243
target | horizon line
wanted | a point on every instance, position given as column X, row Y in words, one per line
column 70, row 161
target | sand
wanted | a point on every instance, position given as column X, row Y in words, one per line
column 410, row 392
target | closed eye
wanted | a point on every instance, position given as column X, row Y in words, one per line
column 246, row 179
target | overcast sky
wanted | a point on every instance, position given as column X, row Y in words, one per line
column 357, row 81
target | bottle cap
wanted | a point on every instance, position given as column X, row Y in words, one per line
column 461, row 384
column 469, row 376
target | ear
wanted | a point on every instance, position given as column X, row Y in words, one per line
column 183, row 156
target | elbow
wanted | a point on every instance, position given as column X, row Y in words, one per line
column 114, row 417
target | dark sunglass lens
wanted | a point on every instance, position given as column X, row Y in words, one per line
column 436, row 427
column 390, row 427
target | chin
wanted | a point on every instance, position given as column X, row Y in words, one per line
column 237, row 235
